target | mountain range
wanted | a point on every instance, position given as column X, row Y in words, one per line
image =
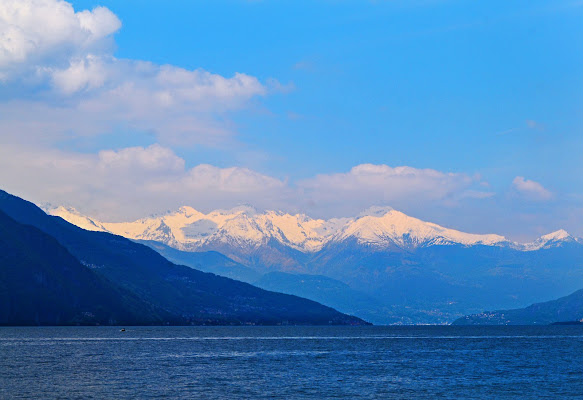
column 402, row 269
column 55, row 273
column 246, row 229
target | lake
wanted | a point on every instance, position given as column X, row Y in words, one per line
column 427, row 362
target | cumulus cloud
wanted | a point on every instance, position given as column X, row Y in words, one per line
column 133, row 182
column 401, row 187
column 138, row 160
column 86, row 73
column 58, row 69
column 390, row 181
column 137, row 181
column 530, row 189
column 47, row 33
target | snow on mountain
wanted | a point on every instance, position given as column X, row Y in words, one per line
column 553, row 239
column 395, row 228
column 71, row 215
column 189, row 229
column 561, row 234
column 381, row 227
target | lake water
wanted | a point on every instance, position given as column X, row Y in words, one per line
column 292, row 362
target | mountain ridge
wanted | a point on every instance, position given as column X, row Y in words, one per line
column 43, row 284
column 191, row 230
column 188, row 295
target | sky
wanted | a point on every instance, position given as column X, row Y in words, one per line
column 468, row 114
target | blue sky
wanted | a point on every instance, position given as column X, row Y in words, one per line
column 488, row 94
column 385, row 82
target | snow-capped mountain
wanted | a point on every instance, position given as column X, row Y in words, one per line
column 395, row 228
column 554, row 239
column 433, row 273
column 189, row 229
column 378, row 227
column 71, row 215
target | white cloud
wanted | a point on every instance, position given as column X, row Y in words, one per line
column 137, row 181
column 530, row 189
column 37, row 33
column 60, row 66
column 401, row 187
column 87, row 73
column 154, row 158
column 234, row 179
column 132, row 182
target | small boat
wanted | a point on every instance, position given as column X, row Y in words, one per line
column 122, row 330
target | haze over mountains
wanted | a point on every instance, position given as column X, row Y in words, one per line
column 402, row 269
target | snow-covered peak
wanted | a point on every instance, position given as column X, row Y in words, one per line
column 76, row 218
column 553, row 239
column 188, row 212
column 397, row 228
column 561, row 234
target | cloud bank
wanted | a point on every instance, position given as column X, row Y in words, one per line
column 401, row 187
column 137, row 181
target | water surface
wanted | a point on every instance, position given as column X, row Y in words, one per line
column 292, row 362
